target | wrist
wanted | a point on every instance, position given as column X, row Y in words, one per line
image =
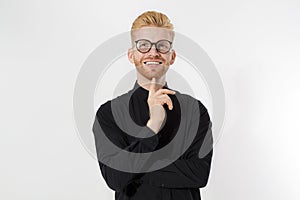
column 154, row 125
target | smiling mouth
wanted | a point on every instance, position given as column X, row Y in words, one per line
column 152, row 63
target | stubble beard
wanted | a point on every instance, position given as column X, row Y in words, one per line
column 149, row 73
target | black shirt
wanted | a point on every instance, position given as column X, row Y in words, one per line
column 181, row 179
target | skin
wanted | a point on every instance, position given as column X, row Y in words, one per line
column 152, row 77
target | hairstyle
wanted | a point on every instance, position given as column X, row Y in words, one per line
column 152, row 19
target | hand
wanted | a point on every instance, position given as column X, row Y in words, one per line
column 156, row 100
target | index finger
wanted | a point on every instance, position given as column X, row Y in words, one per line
column 152, row 86
column 165, row 91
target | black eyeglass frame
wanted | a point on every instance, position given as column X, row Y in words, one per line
column 155, row 44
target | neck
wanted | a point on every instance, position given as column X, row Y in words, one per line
column 145, row 82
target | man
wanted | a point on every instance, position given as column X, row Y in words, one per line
column 161, row 112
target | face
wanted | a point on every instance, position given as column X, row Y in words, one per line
column 153, row 63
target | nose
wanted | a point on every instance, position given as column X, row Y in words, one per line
column 153, row 51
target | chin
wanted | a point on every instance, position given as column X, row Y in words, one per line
column 155, row 76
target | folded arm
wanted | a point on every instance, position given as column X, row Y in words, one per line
column 190, row 170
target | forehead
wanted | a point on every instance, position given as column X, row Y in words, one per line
column 152, row 33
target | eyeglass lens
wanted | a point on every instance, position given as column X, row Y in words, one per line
column 162, row 46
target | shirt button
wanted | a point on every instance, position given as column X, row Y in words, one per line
column 162, row 185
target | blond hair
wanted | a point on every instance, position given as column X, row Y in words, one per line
column 152, row 19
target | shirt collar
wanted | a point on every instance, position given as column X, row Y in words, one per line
column 137, row 86
column 141, row 92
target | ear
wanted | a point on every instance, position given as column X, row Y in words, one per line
column 130, row 55
column 173, row 57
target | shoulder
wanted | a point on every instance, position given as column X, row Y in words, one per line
column 188, row 99
column 193, row 104
column 104, row 112
column 119, row 101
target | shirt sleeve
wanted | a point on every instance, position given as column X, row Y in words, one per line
column 118, row 180
column 190, row 170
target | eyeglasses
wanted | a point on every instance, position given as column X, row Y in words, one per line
column 162, row 46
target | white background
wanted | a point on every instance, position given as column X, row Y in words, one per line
column 255, row 46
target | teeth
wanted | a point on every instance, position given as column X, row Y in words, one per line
column 152, row 63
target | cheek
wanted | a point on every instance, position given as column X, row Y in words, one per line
column 137, row 57
column 168, row 58
column 137, row 60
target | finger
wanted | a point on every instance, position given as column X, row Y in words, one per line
column 165, row 91
column 152, row 86
column 170, row 104
column 162, row 96
column 168, row 101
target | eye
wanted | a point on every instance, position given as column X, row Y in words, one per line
column 163, row 45
column 143, row 44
